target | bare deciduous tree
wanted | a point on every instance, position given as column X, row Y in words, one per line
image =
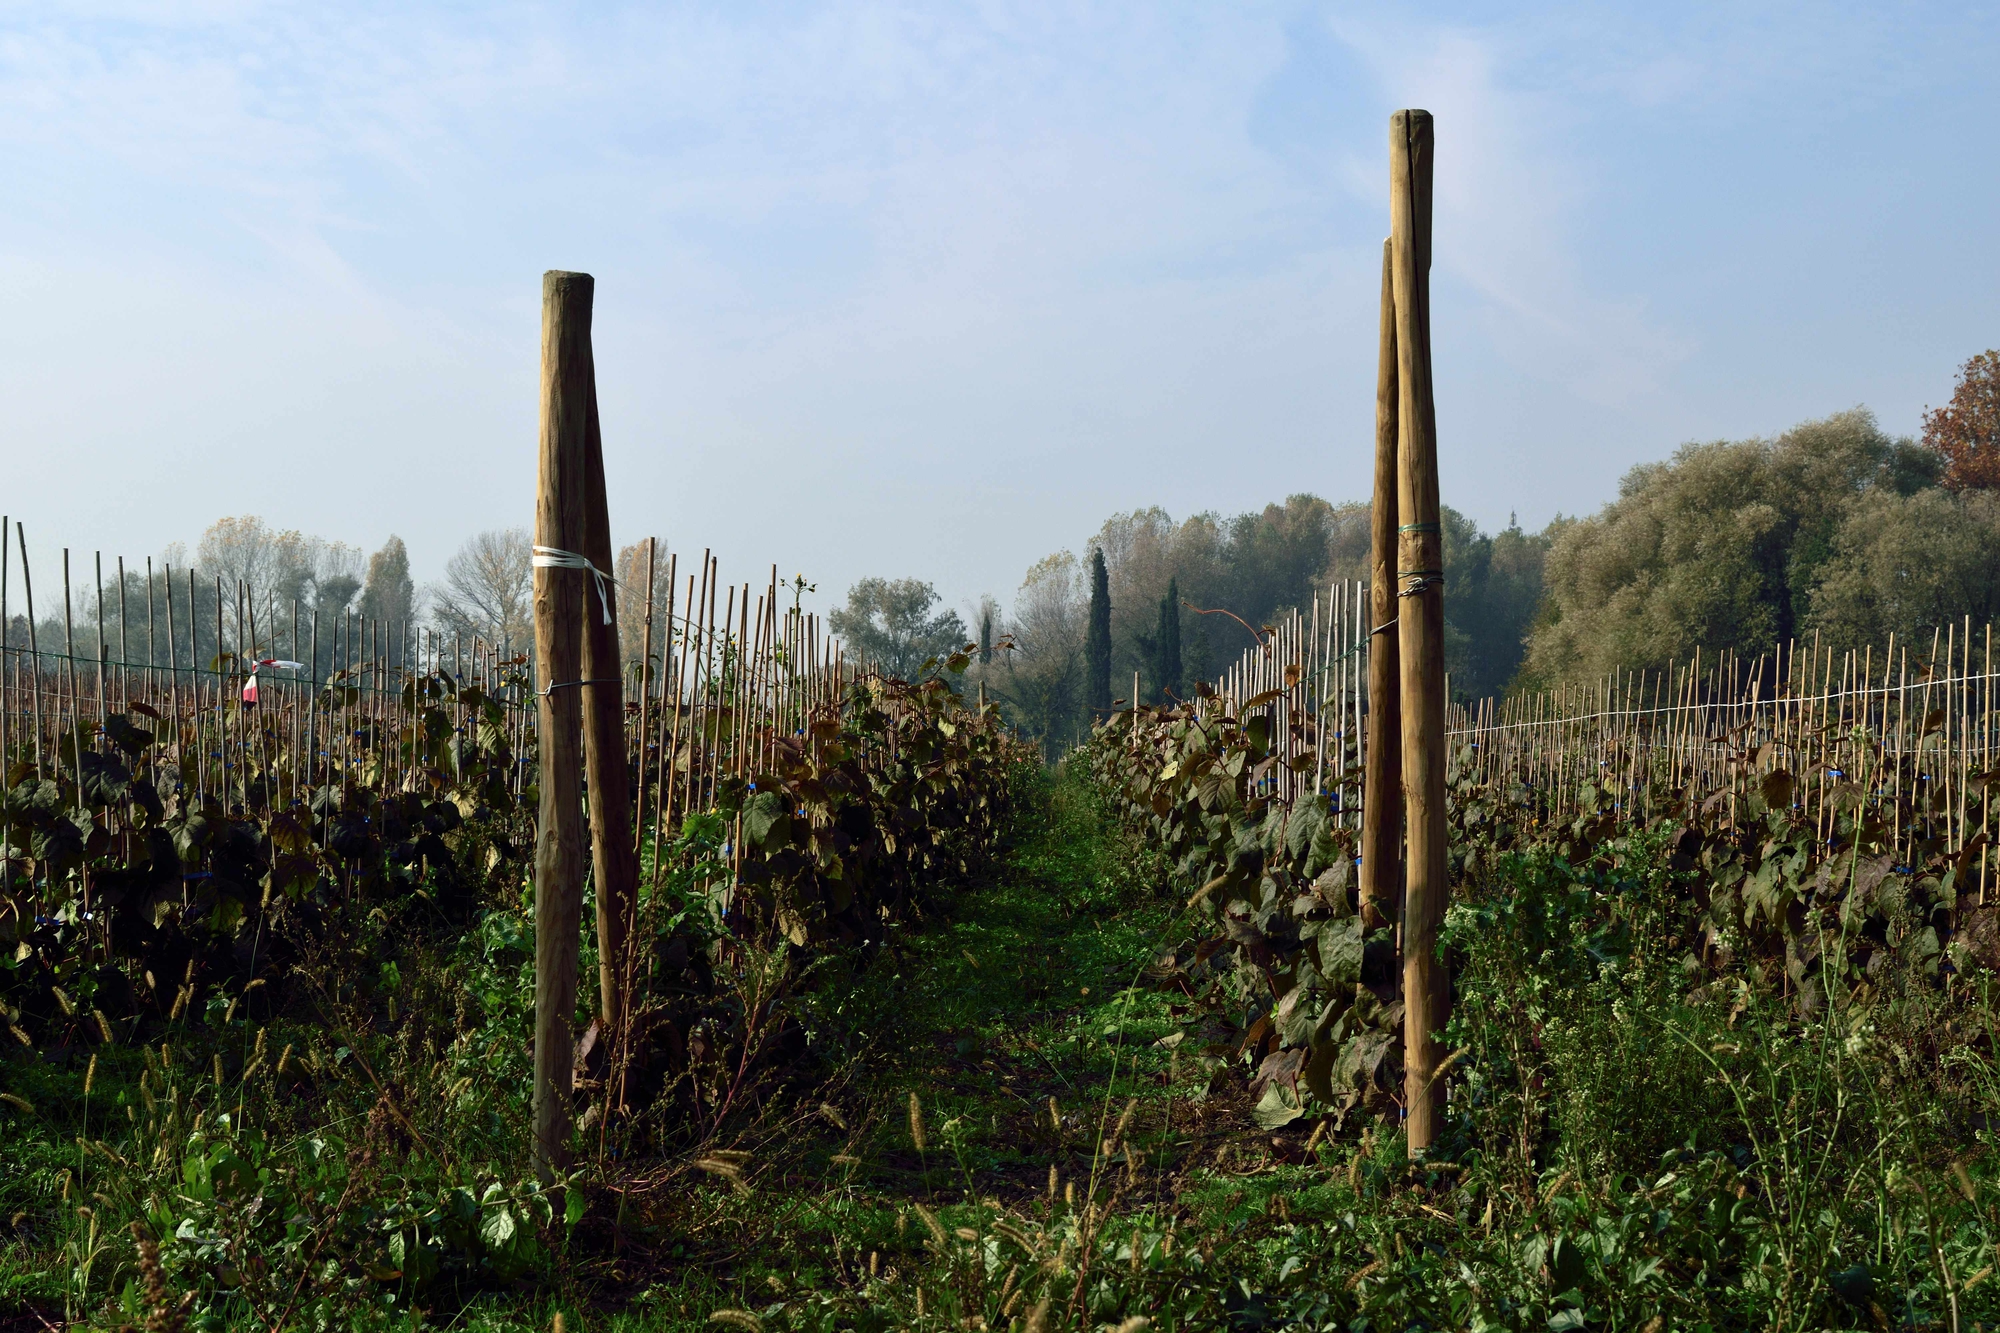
column 488, row 590
column 284, row 564
column 1038, row 676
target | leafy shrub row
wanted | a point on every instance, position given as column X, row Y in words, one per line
column 307, row 1024
column 1298, row 990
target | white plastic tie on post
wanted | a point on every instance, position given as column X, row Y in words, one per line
column 548, row 557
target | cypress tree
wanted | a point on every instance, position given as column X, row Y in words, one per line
column 1167, row 644
column 1097, row 640
column 1195, row 664
column 986, row 636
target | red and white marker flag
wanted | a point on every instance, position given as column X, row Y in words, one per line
column 250, row 685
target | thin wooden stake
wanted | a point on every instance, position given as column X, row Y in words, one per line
column 614, row 858
column 1382, row 797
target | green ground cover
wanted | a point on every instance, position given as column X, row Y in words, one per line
column 1032, row 1110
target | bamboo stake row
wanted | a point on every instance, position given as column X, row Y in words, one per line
column 723, row 678
column 327, row 724
column 1313, row 667
column 1907, row 733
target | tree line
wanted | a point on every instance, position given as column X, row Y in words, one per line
column 251, row 580
column 1175, row 601
column 245, row 580
column 1833, row 528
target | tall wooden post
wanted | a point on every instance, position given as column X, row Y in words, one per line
column 561, row 505
column 1381, row 796
column 614, row 859
column 1420, row 622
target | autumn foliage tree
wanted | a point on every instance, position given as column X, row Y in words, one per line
column 1966, row 431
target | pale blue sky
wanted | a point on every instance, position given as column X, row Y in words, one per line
column 932, row 289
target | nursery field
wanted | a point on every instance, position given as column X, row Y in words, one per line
column 359, row 976
column 1080, row 1046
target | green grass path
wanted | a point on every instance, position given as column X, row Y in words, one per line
column 1014, row 1018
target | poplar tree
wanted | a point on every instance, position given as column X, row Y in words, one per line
column 1097, row 640
column 390, row 596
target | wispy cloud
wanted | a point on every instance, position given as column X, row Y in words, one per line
column 1508, row 194
column 942, row 284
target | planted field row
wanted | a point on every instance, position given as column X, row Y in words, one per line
column 1910, row 734
column 176, row 834
column 1820, row 821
